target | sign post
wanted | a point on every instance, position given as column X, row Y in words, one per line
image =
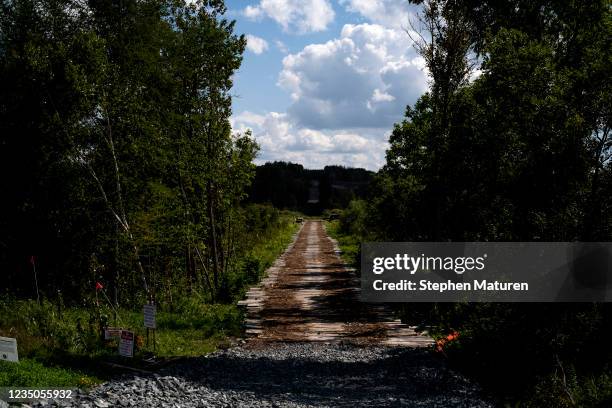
column 112, row 332
column 126, row 343
column 8, row 349
column 149, row 316
column 149, row 320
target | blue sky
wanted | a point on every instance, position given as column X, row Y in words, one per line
column 323, row 81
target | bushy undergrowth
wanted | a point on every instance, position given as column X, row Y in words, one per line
column 525, row 355
column 274, row 231
column 60, row 345
column 531, row 354
column 349, row 244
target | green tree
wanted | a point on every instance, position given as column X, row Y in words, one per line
column 519, row 153
column 120, row 110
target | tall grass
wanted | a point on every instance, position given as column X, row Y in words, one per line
column 349, row 244
column 63, row 346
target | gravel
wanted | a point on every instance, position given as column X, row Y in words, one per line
column 292, row 375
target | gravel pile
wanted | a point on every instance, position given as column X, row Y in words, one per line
column 293, row 375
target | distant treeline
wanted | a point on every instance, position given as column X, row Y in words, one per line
column 291, row 186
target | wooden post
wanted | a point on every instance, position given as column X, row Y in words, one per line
column 33, row 262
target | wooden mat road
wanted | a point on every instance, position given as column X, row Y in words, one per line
column 310, row 295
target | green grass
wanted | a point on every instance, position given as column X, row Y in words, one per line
column 271, row 248
column 58, row 352
column 67, row 350
column 262, row 255
column 31, row 373
column 194, row 329
column 64, row 348
column 349, row 244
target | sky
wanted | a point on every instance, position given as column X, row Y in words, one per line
column 323, row 81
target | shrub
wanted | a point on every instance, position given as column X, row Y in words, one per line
column 353, row 219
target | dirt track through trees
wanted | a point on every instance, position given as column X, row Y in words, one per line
column 312, row 344
column 310, row 295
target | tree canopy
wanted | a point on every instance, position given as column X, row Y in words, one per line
column 118, row 160
column 511, row 143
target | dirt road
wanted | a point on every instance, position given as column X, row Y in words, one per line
column 312, row 344
column 310, row 295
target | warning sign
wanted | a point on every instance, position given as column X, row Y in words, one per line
column 112, row 333
column 126, row 344
column 8, row 349
column 149, row 316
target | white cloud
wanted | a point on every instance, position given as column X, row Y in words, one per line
column 301, row 16
column 256, row 44
column 253, row 12
column 389, row 13
column 381, row 96
column 346, row 93
column 365, row 78
column 282, row 139
column 282, row 47
column 247, row 119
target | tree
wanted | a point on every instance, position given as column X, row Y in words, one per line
column 519, row 153
column 121, row 109
column 443, row 40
